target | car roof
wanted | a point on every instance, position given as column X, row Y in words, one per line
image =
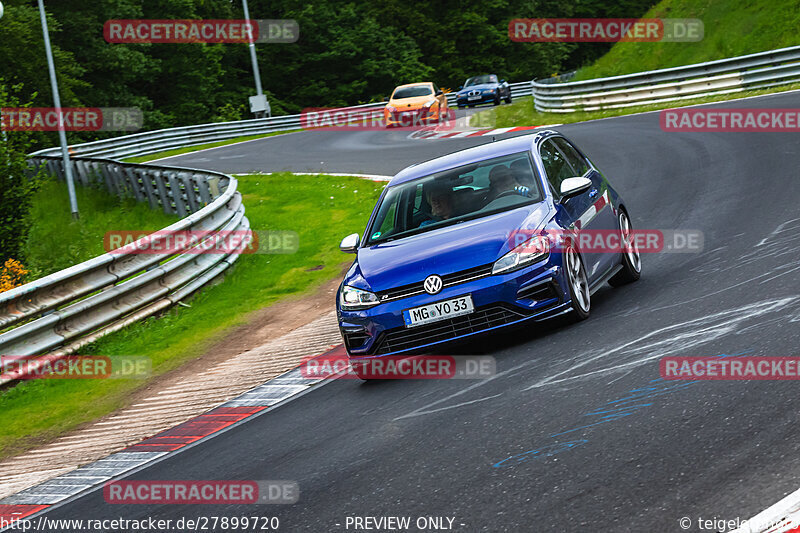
column 470, row 155
column 414, row 84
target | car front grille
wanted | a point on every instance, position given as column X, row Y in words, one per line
column 481, row 319
column 447, row 280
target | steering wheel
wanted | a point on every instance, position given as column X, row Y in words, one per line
column 507, row 193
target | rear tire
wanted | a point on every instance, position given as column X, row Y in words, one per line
column 631, row 258
column 578, row 283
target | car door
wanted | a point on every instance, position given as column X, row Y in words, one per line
column 571, row 214
column 601, row 211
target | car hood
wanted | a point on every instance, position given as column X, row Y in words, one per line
column 482, row 87
column 442, row 251
column 413, row 102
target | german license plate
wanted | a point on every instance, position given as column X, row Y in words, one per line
column 434, row 312
column 473, row 97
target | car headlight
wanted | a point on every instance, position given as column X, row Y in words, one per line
column 429, row 103
column 390, row 109
column 491, row 91
column 353, row 299
column 531, row 251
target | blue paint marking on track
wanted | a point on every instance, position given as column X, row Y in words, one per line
column 541, row 453
column 612, row 411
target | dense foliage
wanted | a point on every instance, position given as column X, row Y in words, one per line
column 349, row 52
column 16, row 190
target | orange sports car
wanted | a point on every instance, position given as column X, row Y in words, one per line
column 415, row 104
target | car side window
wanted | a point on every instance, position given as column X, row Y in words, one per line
column 555, row 165
column 578, row 162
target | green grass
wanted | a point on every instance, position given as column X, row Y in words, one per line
column 188, row 149
column 321, row 209
column 731, row 28
column 57, row 241
column 522, row 112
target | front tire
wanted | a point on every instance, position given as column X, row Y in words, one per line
column 578, row 283
column 631, row 258
column 496, row 100
column 508, row 99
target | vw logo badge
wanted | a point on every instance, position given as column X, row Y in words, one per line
column 433, row 284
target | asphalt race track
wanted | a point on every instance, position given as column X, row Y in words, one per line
column 610, row 446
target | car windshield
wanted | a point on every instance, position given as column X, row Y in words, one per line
column 448, row 197
column 411, row 92
column 478, row 80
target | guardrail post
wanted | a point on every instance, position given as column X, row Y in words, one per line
column 133, row 181
column 158, row 177
column 176, row 194
column 149, row 188
column 187, row 178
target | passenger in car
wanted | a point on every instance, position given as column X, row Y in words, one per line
column 502, row 180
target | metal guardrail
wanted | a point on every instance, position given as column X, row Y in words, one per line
column 57, row 314
column 75, row 306
column 70, row 308
column 157, row 141
column 754, row 71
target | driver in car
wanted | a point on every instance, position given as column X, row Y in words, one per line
column 441, row 201
column 503, row 183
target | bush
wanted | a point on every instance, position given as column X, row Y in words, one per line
column 17, row 185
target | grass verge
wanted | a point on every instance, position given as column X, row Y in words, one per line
column 188, row 149
column 522, row 112
column 57, row 241
column 321, row 209
column 731, row 28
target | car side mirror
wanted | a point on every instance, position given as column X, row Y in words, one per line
column 386, row 99
column 439, row 92
column 349, row 244
column 502, row 81
column 460, row 87
column 574, row 186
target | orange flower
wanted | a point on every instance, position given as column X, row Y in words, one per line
column 11, row 275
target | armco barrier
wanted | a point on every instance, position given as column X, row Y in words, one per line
column 160, row 140
column 754, row 71
column 72, row 307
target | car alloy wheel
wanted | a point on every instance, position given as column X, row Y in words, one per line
column 631, row 257
column 578, row 283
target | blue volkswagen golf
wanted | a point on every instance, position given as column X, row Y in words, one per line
column 464, row 244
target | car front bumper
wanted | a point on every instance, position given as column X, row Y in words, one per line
column 534, row 293
column 411, row 118
column 485, row 98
